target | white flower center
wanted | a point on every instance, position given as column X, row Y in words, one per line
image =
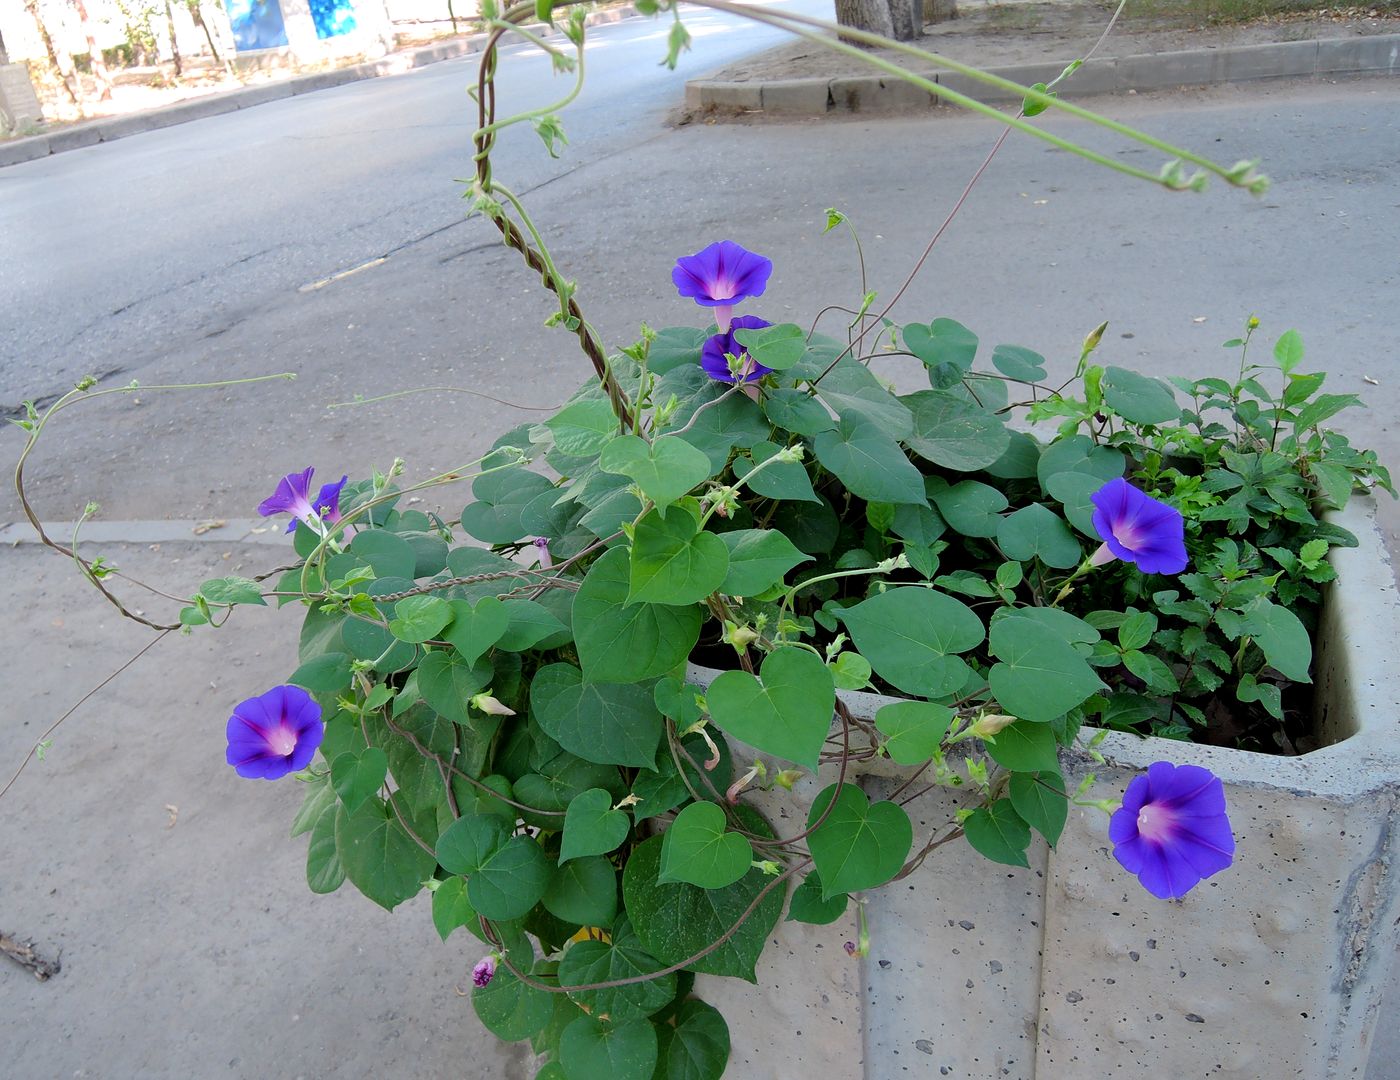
column 282, row 740
column 1154, row 822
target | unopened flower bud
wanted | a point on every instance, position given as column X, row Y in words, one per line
column 484, row 971
column 542, row 546
column 787, row 778
column 630, row 800
column 741, row 637
column 1095, row 336
column 989, row 724
column 484, row 702
column 732, row 795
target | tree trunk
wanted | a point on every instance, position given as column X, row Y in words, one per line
column 869, row 15
column 940, row 10
column 63, row 63
column 4, row 56
column 99, row 65
column 174, row 44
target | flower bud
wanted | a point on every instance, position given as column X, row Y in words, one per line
column 787, row 778
column 988, row 724
column 484, row 702
column 484, row 971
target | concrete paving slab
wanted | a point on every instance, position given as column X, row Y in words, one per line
column 795, row 97
column 1287, row 58
column 168, row 885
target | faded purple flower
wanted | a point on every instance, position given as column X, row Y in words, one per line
column 275, row 733
column 712, row 353
column 1172, row 830
column 850, row 948
column 484, row 970
column 720, row 276
column 1137, row 528
column 293, row 496
column 542, row 546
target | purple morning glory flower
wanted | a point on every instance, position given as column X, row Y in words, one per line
column 713, row 351
column 293, row 496
column 484, row 971
column 1172, row 830
column 327, row 503
column 1137, row 528
column 720, row 276
column 275, row 733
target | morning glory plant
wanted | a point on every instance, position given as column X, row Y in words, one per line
column 598, row 707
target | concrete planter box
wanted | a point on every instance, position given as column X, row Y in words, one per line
column 1070, row 970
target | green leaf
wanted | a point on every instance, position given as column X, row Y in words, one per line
column 857, row 395
column 531, row 624
column 584, row 891
column 324, row 872
column 797, row 411
column 592, row 826
column 808, row 905
column 451, row 908
column 380, row 858
column 851, row 671
column 626, row 643
column 583, row 428
column 1137, row 630
column 598, row 961
column 1283, row 639
column 697, row 1047
column 589, row 1050
column 1288, row 350
column 698, row 849
column 448, row 683
column 777, row 347
column 419, row 618
column 913, row 730
column 664, row 789
column 857, row 846
column 1020, row 460
column 673, row 562
column 387, row 554
column 953, row 433
column 320, row 797
column 870, row 463
column 1138, row 398
column 607, row 723
column 511, row 1010
column 1078, row 454
column 466, row 844
column 676, row 920
column 1025, row 747
column 501, row 498
column 971, row 508
column 776, row 480
column 232, row 590
column 1072, row 490
column 947, row 349
column 1029, row 107
column 476, row 627
column 664, row 470
column 788, row 714
column 1037, row 532
column 1041, row 676
column 511, row 881
column 1323, row 407
column 1040, row 800
column 328, row 673
column 998, row 832
column 356, row 777
column 910, row 634
column 758, row 560
column 676, row 346
column 1016, row 362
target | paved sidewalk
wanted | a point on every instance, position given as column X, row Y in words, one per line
column 817, row 95
column 90, row 132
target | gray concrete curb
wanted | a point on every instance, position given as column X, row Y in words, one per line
column 119, row 127
column 1375, row 55
column 218, row 531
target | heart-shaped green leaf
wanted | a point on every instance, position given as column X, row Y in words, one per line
column 869, row 461
column 808, row 906
column 357, row 777
column 620, row 642
column 468, row 842
column 758, row 559
column 913, row 729
column 379, row 856
column 698, row 850
column 622, row 958
column 476, row 627
column 511, row 881
column 1041, row 676
column 857, row 846
column 608, row 723
column 1025, row 747
column 597, row 1051
column 673, row 562
column 584, row 892
column 664, row 470
column 697, row 1046
column 776, row 347
column 1039, row 799
column 451, row 908
column 910, row 636
column 592, row 826
column 945, row 346
column 788, row 714
column 998, row 832
column 448, row 683
column 419, row 618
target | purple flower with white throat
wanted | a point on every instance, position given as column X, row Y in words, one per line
column 720, row 276
column 1172, row 829
column 1137, row 528
column 275, row 733
column 293, row 496
column 484, row 971
column 712, row 353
